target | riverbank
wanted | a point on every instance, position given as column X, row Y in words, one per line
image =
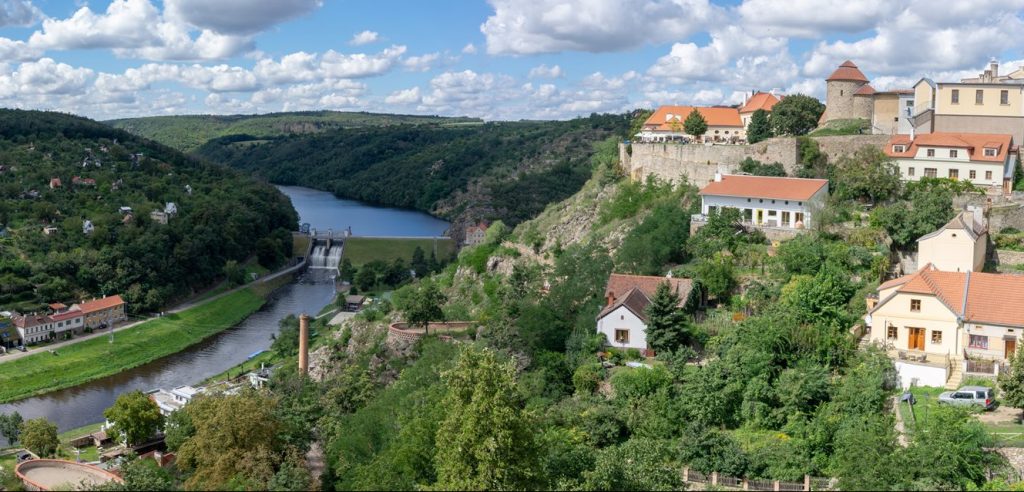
column 97, row 358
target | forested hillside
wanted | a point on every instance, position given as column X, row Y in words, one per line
column 508, row 171
column 221, row 215
column 188, row 132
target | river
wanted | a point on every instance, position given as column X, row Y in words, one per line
column 84, row 404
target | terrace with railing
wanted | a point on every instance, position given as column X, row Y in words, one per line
column 716, row 480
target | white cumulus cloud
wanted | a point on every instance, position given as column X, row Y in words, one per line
column 365, row 37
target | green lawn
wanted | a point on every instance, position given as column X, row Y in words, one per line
column 1005, row 434
column 269, row 358
column 96, row 358
column 10, row 481
column 363, row 250
column 79, row 432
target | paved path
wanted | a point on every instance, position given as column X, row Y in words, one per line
column 15, row 354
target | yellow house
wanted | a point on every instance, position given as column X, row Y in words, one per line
column 959, row 246
column 989, row 103
column 938, row 325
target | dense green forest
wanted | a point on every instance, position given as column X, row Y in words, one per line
column 221, row 215
column 187, row 132
column 508, row 171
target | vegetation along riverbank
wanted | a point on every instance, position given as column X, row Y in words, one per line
column 98, row 358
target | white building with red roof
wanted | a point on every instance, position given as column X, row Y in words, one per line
column 983, row 159
column 765, row 201
column 475, row 234
column 668, row 124
column 756, row 101
column 623, row 321
column 97, row 312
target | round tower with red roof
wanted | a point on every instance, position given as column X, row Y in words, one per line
column 848, row 94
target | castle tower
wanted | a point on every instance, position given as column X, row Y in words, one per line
column 840, row 89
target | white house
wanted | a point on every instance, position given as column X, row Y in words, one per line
column 171, row 208
column 983, row 159
column 765, row 201
column 173, row 400
column 959, row 246
column 87, row 227
column 33, row 328
column 623, row 321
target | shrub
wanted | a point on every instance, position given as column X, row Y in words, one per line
column 634, row 354
column 632, row 383
column 586, row 378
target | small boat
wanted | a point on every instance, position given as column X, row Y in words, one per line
column 254, row 354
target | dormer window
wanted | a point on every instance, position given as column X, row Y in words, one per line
column 931, row 153
column 990, row 152
column 953, row 153
column 899, row 148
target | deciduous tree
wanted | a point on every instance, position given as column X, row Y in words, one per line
column 1012, row 382
column 10, row 426
column 40, row 436
column 695, row 125
column 135, row 417
column 796, row 114
column 425, row 305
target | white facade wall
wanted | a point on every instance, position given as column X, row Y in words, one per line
column 623, row 319
column 75, row 323
column 771, row 209
column 952, row 250
column 996, row 337
column 906, row 102
column 934, row 316
column 920, row 375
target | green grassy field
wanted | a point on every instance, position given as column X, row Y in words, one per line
column 269, row 358
column 96, row 358
column 363, row 250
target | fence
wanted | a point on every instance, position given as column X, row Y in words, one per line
column 984, row 367
column 716, row 480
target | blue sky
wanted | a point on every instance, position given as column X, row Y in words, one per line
column 496, row 59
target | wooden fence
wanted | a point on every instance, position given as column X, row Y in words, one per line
column 723, row 481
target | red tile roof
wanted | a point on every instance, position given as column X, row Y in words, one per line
column 848, row 71
column 66, row 315
column 100, row 304
column 990, row 298
column 761, row 100
column 661, row 119
column 621, row 285
column 865, row 90
column 975, row 143
column 765, row 187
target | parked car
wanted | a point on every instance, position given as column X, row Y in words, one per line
column 969, row 396
column 24, row 456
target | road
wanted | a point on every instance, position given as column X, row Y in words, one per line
column 15, row 354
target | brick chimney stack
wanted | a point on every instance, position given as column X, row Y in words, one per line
column 304, row 343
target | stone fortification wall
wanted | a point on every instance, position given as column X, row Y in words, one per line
column 698, row 163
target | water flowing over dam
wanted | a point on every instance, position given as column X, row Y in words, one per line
column 324, row 257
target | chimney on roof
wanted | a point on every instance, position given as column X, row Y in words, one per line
column 718, row 176
column 993, row 66
column 304, row 344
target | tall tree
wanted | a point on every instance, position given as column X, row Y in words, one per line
column 796, row 115
column 1012, row 382
column 40, row 437
column 486, row 440
column 867, row 174
column 667, row 328
column 695, row 125
column 425, row 305
column 419, row 263
column 759, row 128
column 135, row 417
column 10, row 426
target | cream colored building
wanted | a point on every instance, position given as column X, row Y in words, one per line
column 989, row 103
column 959, row 246
column 985, row 160
column 936, row 324
column 667, row 124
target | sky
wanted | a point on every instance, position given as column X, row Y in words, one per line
column 493, row 59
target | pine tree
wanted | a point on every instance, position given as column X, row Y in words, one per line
column 759, row 127
column 667, row 328
column 695, row 124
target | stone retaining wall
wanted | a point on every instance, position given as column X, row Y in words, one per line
column 403, row 332
column 699, row 163
column 1008, row 257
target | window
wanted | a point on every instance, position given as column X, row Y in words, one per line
column 930, row 172
column 785, row 218
column 979, row 96
column 936, row 337
column 931, row 152
column 978, row 342
column 954, row 173
column 621, row 336
column 953, row 153
column 899, row 148
column 890, row 333
column 955, row 96
column 1004, row 97
column 988, row 174
column 972, row 174
column 990, row 152
column 841, row 92
column 910, row 171
column 915, row 305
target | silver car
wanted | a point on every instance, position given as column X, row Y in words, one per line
column 969, row 396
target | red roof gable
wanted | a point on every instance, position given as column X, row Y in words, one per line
column 662, row 118
column 975, row 143
column 100, row 304
column 761, row 100
column 990, row 298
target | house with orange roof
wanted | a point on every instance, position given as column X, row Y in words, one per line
column 623, row 321
column 756, row 101
column 475, row 234
column 958, row 246
column 985, row 160
column 106, row 311
column 940, row 325
column 666, row 125
column 764, row 201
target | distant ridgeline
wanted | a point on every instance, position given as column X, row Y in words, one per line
column 508, row 171
column 86, row 209
column 188, row 132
